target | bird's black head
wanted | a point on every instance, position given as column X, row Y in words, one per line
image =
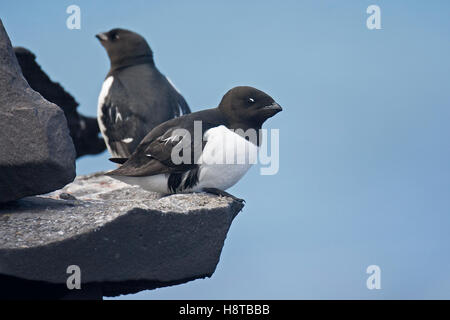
column 248, row 107
column 124, row 46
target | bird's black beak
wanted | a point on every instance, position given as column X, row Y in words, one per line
column 102, row 36
column 274, row 107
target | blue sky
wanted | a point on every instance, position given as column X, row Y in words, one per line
column 364, row 155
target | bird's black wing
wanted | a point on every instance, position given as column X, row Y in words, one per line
column 182, row 106
column 169, row 148
column 123, row 127
column 156, row 157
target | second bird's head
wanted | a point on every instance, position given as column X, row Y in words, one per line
column 248, row 106
column 124, row 45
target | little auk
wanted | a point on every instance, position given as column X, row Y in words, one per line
column 206, row 166
column 135, row 96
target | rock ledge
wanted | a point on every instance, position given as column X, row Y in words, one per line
column 124, row 239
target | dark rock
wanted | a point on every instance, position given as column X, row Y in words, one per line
column 37, row 154
column 124, row 239
column 66, row 196
column 83, row 130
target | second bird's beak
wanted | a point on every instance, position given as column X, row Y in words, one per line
column 274, row 106
column 102, row 36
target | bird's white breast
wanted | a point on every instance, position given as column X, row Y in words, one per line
column 225, row 159
column 101, row 100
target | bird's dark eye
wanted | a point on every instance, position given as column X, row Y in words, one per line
column 251, row 100
column 115, row 36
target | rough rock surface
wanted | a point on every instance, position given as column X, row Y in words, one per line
column 123, row 238
column 37, row 154
column 83, row 130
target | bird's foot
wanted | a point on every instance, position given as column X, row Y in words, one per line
column 222, row 193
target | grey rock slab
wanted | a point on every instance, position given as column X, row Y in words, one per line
column 122, row 237
column 37, row 154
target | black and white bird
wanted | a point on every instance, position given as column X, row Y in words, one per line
column 135, row 96
column 224, row 131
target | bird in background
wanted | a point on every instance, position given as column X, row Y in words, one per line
column 153, row 168
column 135, row 96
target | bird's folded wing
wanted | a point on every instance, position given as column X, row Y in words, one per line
column 175, row 150
column 182, row 105
column 124, row 128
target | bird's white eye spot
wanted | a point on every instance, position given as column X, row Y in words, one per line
column 251, row 100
